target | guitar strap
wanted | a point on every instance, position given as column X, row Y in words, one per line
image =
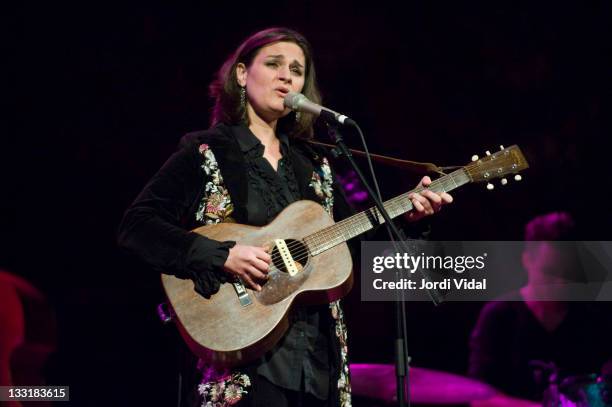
column 412, row 166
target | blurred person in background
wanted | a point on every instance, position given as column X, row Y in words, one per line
column 521, row 340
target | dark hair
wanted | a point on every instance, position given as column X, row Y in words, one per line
column 550, row 227
column 226, row 91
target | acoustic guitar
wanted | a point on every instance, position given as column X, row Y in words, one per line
column 311, row 264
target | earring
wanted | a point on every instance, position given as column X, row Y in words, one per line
column 298, row 116
column 243, row 97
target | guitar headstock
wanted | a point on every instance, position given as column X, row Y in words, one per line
column 508, row 160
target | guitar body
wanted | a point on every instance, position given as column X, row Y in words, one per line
column 226, row 333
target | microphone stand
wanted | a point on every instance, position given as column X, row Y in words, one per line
column 402, row 359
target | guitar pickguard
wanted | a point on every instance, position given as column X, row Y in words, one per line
column 288, row 271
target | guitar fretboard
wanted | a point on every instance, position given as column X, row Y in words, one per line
column 361, row 222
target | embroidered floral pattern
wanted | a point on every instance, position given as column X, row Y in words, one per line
column 225, row 391
column 216, row 205
column 218, row 389
column 322, row 182
column 344, row 380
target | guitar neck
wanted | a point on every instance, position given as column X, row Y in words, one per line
column 363, row 221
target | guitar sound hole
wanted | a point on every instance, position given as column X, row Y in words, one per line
column 299, row 253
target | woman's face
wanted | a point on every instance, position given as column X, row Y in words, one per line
column 277, row 69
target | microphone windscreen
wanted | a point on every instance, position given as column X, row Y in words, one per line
column 292, row 99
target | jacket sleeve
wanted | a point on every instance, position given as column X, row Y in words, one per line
column 151, row 228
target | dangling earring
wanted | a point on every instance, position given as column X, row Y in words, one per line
column 298, row 116
column 243, row 97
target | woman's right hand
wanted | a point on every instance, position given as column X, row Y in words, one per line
column 249, row 263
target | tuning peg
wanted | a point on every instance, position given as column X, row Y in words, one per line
column 474, row 157
column 490, row 186
column 501, row 147
column 488, row 152
column 518, row 177
column 504, row 181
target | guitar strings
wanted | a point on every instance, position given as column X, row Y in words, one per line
column 330, row 232
column 318, row 237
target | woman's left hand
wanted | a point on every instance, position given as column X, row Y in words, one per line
column 426, row 202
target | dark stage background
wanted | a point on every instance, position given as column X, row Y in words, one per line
column 99, row 95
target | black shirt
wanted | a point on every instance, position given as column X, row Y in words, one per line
column 302, row 355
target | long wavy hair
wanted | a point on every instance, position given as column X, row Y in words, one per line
column 225, row 90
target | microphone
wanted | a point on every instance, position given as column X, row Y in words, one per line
column 300, row 103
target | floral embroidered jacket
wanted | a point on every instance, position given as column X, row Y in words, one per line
column 204, row 182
